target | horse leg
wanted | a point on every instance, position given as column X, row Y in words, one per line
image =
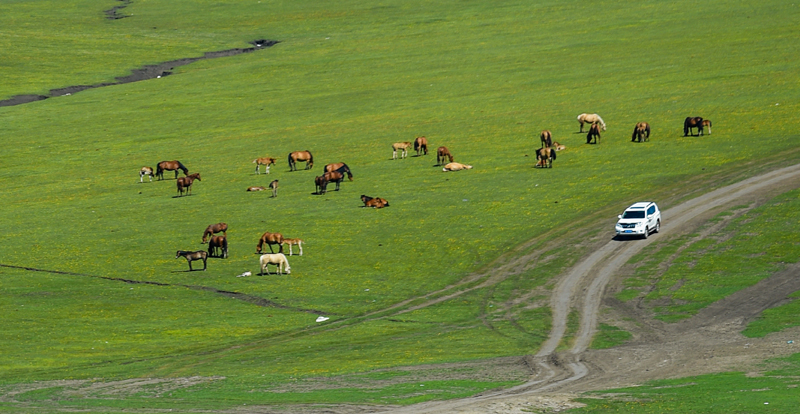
column 300, row 245
column 190, row 264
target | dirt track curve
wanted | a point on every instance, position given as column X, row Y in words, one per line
column 675, row 350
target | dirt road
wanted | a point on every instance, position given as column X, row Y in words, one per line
column 666, row 351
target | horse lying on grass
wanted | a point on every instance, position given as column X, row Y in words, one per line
column 277, row 259
column 192, row 256
column 456, row 166
column 374, row 202
column 558, row 147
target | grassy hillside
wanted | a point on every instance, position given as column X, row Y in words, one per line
column 347, row 80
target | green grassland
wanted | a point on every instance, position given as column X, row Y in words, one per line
column 347, row 80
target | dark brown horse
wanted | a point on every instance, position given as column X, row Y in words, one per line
column 421, row 145
column 270, row 239
column 214, row 229
column 341, row 168
column 185, row 183
column 641, row 132
column 594, row 133
column 170, row 166
column 693, row 122
column 297, row 156
column 374, row 202
column 322, row 181
column 192, row 256
column 547, row 139
column 545, row 157
column 442, row 155
column 218, row 247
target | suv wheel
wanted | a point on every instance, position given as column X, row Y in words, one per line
column 646, row 232
column 658, row 226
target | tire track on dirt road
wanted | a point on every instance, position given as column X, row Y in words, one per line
column 582, row 287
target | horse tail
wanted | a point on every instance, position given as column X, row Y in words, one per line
column 635, row 130
column 553, row 153
column 416, row 145
column 291, row 163
column 183, row 168
column 310, row 159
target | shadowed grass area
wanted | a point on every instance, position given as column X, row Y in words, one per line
column 346, row 81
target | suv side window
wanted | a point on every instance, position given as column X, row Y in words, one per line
column 651, row 210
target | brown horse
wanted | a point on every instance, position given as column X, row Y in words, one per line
column 296, row 156
column 421, row 145
column 270, row 239
column 266, row 162
column 170, row 166
column 547, row 139
column 341, row 168
column 456, row 166
column 641, row 132
column 707, row 124
column 374, row 202
column 692, row 122
column 185, row 183
column 274, row 186
column 294, row 242
column 594, row 133
column 218, row 247
column 192, row 256
column 559, row 147
column 591, row 119
column 322, row 181
column 442, row 155
column 214, row 229
column 545, row 157
column 402, row 146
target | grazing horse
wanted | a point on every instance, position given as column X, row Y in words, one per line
column 266, row 162
column 693, row 122
column 270, row 239
column 294, row 242
column 170, row 166
column 591, row 119
column 341, row 168
column 274, row 186
column 547, row 139
column 641, row 132
column 402, row 146
column 545, row 157
column 218, row 243
column 707, row 124
column 296, row 156
column 192, row 256
column 594, row 133
column 322, row 181
column 256, row 188
column 277, row 259
column 213, row 229
column 374, row 202
column 456, row 166
column 421, row 145
column 185, row 183
column 442, row 155
column 559, row 147
column 145, row 171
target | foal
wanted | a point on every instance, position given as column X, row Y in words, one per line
column 294, row 242
column 192, row 256
column 145, row 171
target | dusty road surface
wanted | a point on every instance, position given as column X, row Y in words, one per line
column 708, row 342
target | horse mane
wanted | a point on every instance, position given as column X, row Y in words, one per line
column 182, row 167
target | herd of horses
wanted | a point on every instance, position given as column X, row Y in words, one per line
column 336, row 172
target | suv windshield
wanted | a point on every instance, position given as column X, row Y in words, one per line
column 633, row 215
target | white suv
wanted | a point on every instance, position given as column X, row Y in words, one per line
column 640, row 219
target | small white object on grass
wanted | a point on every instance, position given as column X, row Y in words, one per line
column 245, row 274
column 322, row 319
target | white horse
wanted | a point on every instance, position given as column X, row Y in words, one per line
column 591, row 119
column 456, row 166
column 145, row 171
column 294, row 242
column 277, row 259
